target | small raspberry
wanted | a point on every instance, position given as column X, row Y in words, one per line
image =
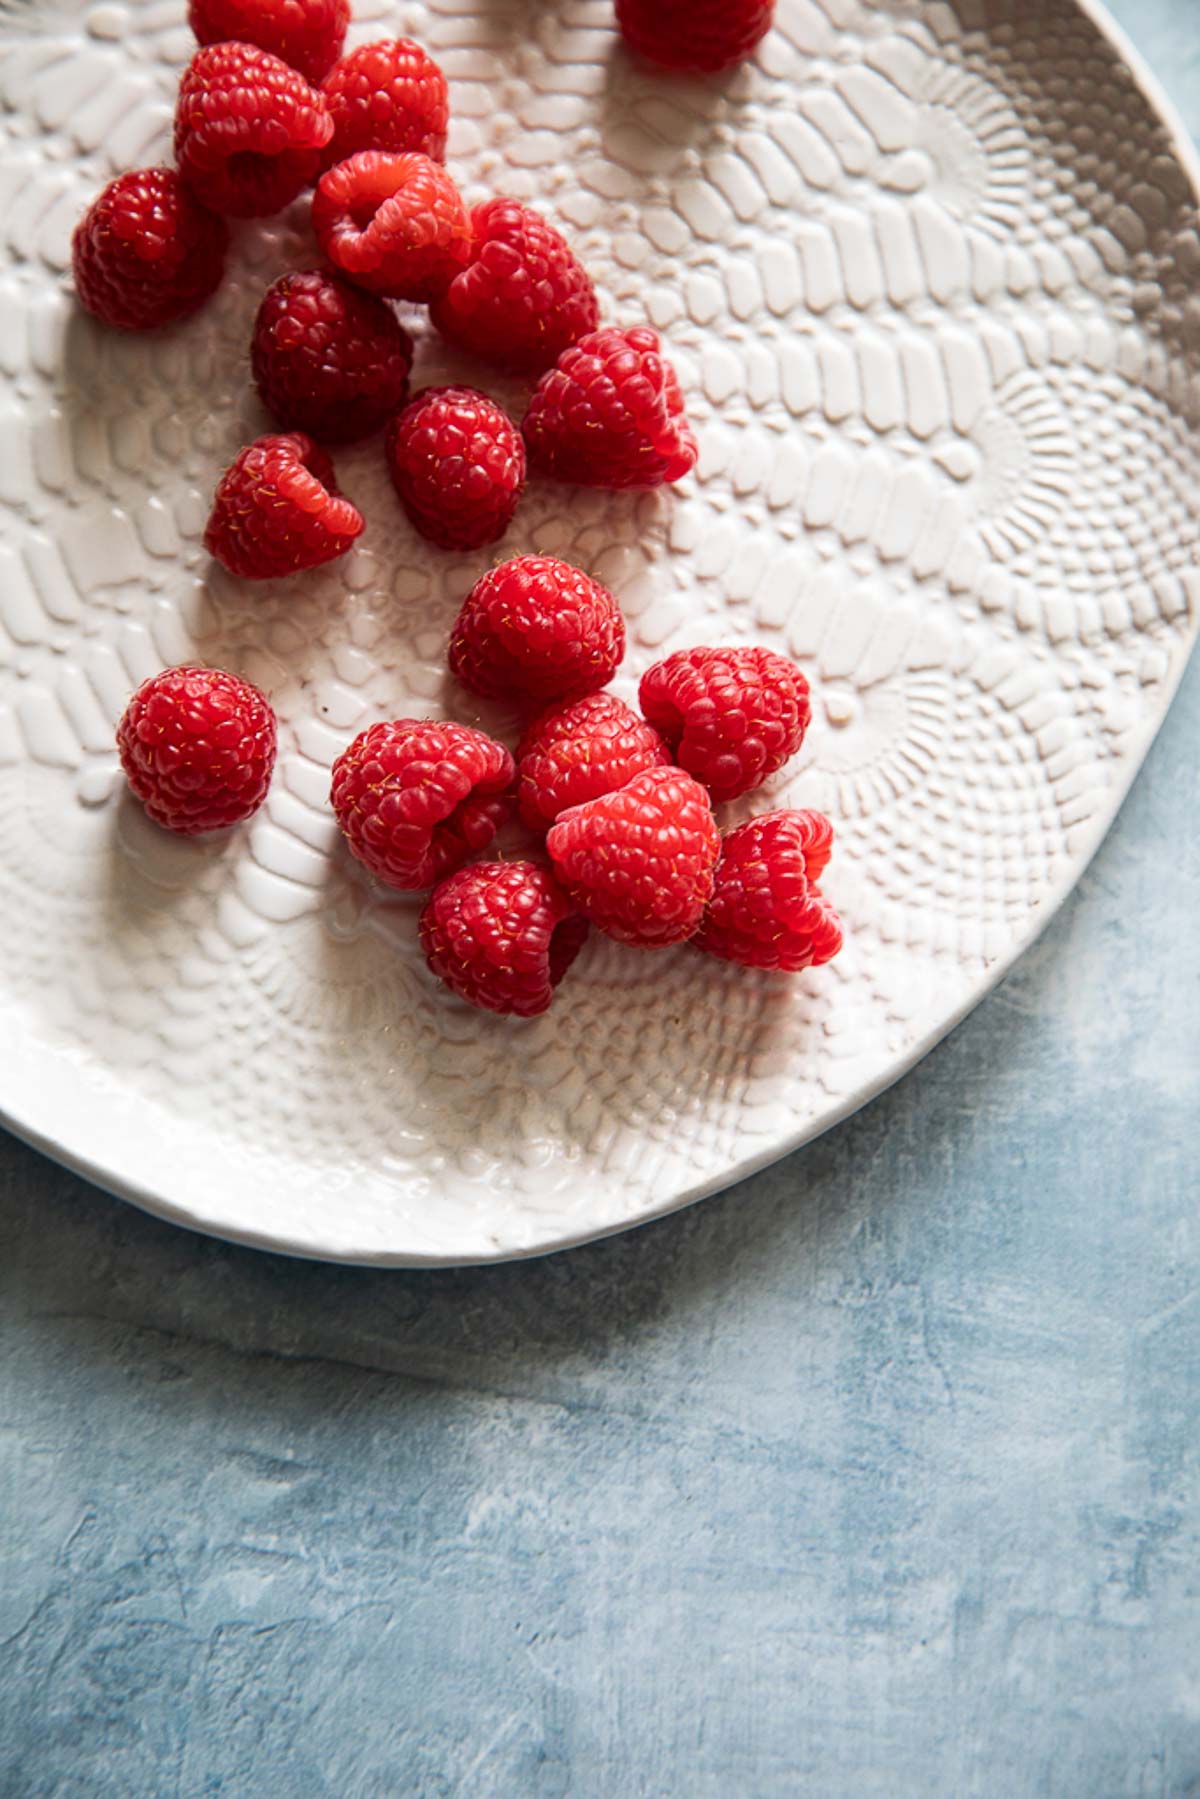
column 458, row 464
column 579, row 751
column 502, row 935
column 387, row 96
column 639, row 863
column 610, row 414
column 198, row 747
column 539, row 629
column 249, row 131
column 277, row 509
column 306, row 34
column 703, row 36
column 395, row 224
column 145, row 252
column 523, row 298
column 415, row 798
column 731, row 716
column 767, row 910
column 327, row 358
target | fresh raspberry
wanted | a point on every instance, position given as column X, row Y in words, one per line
column 731, row 716
column 277, row 509
column 415, row 798
column 539, row 629
column 458, row 464
column 327, row 358
column 395, row 224
column 639, row 863
column 145, row 252
column 502, row 935
column 767, row 910
column 523, row 298
column 610, row 414
column 198, row 747
column 576, row 752
column 249, row 131
column 702, row 36
column 387, row 96
column 306, row 34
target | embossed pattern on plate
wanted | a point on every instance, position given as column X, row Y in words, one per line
column 929, row 273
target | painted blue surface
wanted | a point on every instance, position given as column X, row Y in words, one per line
column 876, row 1476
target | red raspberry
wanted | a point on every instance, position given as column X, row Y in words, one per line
column 502, row 935
column 732, row 716
column 639, row 863
column 610, row 414
column 458, row 464
column 767, row 910
column 277, row 509
column 395, row 224
column 539, row 629
column 327, row 358
column 387, row 96
column 576, row 752
column 306, row 34
column 249, row 131
column 198, row 747
column 699, row 35
column 145, row 252
column 416, row 798
column 523, row 298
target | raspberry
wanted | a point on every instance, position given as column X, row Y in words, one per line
column 523, row 298
column 610, row 414
column 703, row 36
column 395, row 224
column 539, row 629
column 502, row 935
column 639, row 863
column 277, row 509
column 387, row 96
column 576, row 752
column 458, row 464
column 249, row 131
column 327, row 358
column 306, row 34
column 145, row 252
column 731, row 716
column 767, row 910
column 416, row 798
column 198, row 747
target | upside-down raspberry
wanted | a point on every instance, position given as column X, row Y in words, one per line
column 394, row 223
column 249, row 130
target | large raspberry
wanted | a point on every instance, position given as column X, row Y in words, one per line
column 732, row 716
column 457, row 462
column 277, row 509
column 502, row 935
column 395, row 224
column 767, row 910
column 610, row 414
column 537, row 629
column 328, row 358
column 387, row 96
column 639, row 863
column 523, row 298
column 145, row 252
column 198, row 747
column 576, row 752
column 249, row 130
column 415, row 798
column 703, row 36
column 306, row 34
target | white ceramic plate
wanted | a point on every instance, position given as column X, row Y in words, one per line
column 930, row 275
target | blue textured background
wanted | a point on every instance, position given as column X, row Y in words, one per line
column 876, row 1476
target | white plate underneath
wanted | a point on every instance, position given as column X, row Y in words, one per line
column 929, row 276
